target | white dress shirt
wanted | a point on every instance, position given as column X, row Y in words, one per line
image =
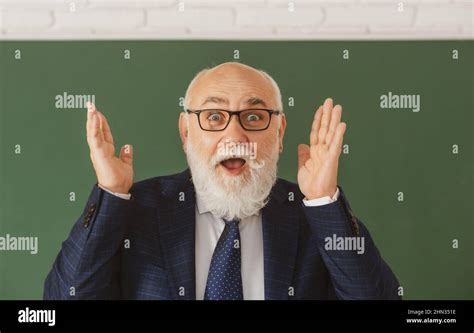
column 208, row 230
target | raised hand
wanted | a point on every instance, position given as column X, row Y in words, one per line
column 113, row 173
column 318, row 162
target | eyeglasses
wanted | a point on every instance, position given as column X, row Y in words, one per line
column 218, row 120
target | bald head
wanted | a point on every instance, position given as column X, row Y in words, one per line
column 233, row 86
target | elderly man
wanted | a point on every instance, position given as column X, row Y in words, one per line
column 227, row 228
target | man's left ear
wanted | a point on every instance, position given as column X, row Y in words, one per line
column 281, row 131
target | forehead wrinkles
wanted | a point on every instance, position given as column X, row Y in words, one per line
column 233, row 92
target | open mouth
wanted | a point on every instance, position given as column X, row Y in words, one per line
column 233, row 165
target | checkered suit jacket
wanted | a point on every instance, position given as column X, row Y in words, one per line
column 144, row 248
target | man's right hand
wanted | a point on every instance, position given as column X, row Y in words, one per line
column 113, row 173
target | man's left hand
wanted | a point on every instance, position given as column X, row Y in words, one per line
column 318, row 162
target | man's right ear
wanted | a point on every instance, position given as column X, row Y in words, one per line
column 183, row 129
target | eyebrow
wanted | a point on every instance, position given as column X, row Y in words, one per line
column 214, row 99
column 251, row 101
column 256, row 101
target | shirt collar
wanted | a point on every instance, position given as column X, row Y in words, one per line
column 201, row 206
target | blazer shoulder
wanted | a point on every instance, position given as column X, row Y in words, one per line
column 287, row 184
column 149, row 190
column 284, row 189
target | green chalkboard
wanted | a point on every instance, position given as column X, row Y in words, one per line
column 424, row 156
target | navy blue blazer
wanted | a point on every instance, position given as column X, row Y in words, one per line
column 144, row 248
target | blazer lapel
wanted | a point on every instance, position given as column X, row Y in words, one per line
column 177, row 236
column 280, row 243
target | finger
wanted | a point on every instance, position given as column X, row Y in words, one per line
column 336, row 144
column 90, row 109
column 303, row 155
column 104, row 125
column 313, row 136
column 335, row 120
column 95, row 136
column 126, row 154
column 327, row 107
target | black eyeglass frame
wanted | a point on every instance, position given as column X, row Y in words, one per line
column 231, row 114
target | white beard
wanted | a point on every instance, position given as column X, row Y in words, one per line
column 233, row 197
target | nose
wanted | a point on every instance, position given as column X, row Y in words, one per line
column 234, row 132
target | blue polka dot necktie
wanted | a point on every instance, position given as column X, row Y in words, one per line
column 224, row 281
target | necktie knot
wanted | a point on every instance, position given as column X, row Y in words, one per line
column 232, row 223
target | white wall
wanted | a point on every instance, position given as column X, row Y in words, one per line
column 236, row 19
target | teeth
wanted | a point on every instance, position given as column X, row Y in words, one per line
column 232, row 158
